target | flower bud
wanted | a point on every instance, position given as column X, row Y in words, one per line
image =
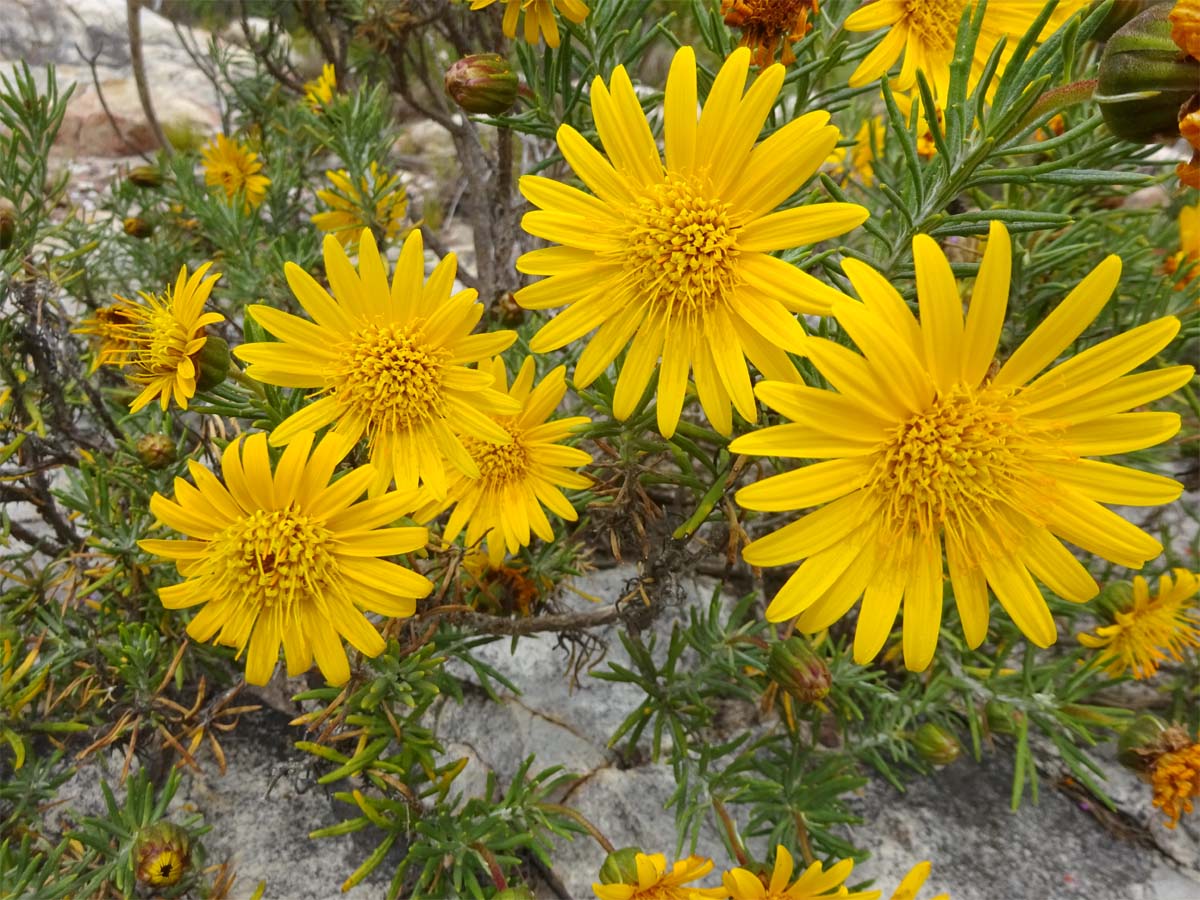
column 1138, row 744
column 145, row 176
column 155, row 451
column 1120, row 13
column 161, row 854
column 515, row 893
column 8, row 222
column 936, row 745
column 620, row 867
column 212, row 363
column 1145, row 78
column 1001, row 717
column 136, row 226
column 799, row 671
column 1114, row 597
column 482, row 83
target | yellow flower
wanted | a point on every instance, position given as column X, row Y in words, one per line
column 913, row 882
column 236, row 170
column 504, row 504
column 929, row 448
column 867, row 142
column 539, row 17
column 656, row 883
column 1189, row 247
column 924, row 32
column 161, row 854
column 158, row 339
column 1151, row 629
column 765, row 23
column 287, row 556
column 814, row 883
column 390, row 363
column 319, row 91
column 378, row 200
column 677, row 257
column 1175, row 778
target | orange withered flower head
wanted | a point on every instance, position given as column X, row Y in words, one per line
column 766, row 23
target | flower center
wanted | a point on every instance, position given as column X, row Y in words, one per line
column 500, row 464
column 274, row 557
column 681, row 247
column 935, row 21
column 951, row 467
column 165, row 343
column 390, row 376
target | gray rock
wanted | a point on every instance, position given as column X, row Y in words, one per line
column 67, row 33
column 1061, row 848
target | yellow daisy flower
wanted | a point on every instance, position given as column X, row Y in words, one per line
column 387, row 362
column 287, row 556
column 930, row 448
column 924, row 32
column 913, row 882
column 814, row 883
column 236, row 170
column 378, row 200
column 159, row 339
column 109, row 326
column 539, row 17
column 319, row 91
column 675, row 256
column 504, row 504
column 656, row 883
column 1150, row 630
column 1189, row 247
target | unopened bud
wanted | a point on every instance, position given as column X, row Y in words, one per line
column 1138, row 744
column 1118, row 14
column 155, row 451
column 798, row 670
column 1114, row 597
column 212, row 363
column 145, row 176
column 8, row 222
column 936, row 745
column 1001, row 717
column 482, row 83
column 1145, row 79
column 515, row 893
column 620, row 867
column 136, row 226
column 161, row 854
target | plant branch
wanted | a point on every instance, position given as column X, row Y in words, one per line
column 133, row 10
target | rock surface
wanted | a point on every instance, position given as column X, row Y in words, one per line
column 1062, row 848
column 69, row 34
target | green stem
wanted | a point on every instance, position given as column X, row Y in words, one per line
column 494, row 870
column 735, row 842
column 582, row 820
column 238, row 374
column 1189, row 395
